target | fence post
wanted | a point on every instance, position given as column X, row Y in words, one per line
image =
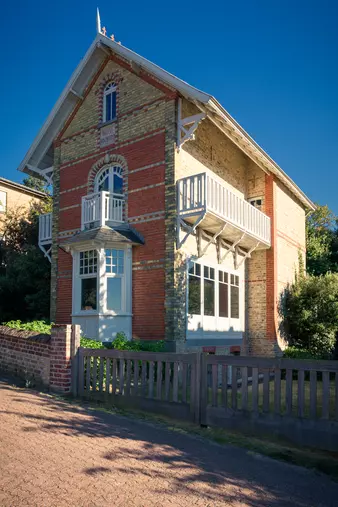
column 203, row 389
column 197, row 387
column 74, row 355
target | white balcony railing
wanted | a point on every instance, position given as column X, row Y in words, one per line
column 45, row 228
column 203, row 193
column 101, row 207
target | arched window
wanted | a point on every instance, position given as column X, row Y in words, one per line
column 109, row 102
column 110, row 179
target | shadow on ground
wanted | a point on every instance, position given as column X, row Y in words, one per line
column 225, row 474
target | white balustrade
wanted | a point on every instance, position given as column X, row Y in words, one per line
column 101, row 207
column 45, row 228
column 202, row 192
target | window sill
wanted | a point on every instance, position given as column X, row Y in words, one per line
column 105, row 123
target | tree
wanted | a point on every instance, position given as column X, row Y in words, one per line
column 25, row 272
column 309, row 312
column 36, row 184
column 321, row 241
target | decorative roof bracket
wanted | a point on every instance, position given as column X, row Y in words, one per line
column 246, row 255
column 186, row 127
column 47, row 173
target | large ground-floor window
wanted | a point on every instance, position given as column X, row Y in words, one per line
column 213, row 292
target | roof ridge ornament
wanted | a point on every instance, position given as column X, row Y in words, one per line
column 98, row 21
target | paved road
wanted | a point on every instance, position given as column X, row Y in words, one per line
column 55, row 454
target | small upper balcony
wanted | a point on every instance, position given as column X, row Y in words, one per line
column 203, row 201
column 101, row 208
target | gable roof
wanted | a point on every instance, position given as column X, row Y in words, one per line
column 40, row 154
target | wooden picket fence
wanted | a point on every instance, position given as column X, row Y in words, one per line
column 294, row 399
column 159, row 382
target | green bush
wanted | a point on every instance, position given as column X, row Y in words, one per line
column 39, row 326
column 309, row 312
column 90, row 344
column 295, row 353
column 122, row 343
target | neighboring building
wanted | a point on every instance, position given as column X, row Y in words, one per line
column 169, row 221
column 14, row 196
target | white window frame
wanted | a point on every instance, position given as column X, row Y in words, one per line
column 123, row 282
column 111, row 172
column 83, row 276
column 110, row 89
column 102, row 276
column 203, row 321
column 253, row 201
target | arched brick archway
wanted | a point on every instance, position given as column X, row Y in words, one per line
column 107, row 160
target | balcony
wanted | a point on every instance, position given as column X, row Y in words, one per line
column 45, row 234
column 205, row 202
column 101, row 208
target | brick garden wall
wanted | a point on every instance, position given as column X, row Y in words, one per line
column 41, row 358
column 26, row 354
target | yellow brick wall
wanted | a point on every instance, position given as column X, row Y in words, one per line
column 133, row 93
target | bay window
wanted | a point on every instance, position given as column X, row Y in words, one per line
column 102, row 281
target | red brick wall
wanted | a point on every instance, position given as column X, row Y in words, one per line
column 25, row 354
column 271, row 264
column 146, row 205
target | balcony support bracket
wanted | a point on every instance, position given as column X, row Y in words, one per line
column 186, row 126
column 245, row 255
column 211, row 240
column 229, row 248
column 190, row 229
column 46, row 249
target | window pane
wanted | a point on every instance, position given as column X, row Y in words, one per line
column 113, row 105
column 194, row 295
column 197, row 269
column 234, row 302
column 88, row 262
column 108, row 107
column 223, row 300
column 114, row 295
column 206, row 272
column 118, row 184
column 88, row 293
column 209, row 297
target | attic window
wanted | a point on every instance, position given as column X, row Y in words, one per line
column 109, row 102
column 256, row 202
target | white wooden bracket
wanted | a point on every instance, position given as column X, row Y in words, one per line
column 189, row 228
column 47, row 173
column 228, row 248
column 46, row 249
column 186, row 127
column 211, row 240
column 246, row 255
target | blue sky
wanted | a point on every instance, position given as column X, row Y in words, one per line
column 272, row 64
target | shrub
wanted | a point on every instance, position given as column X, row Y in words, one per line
column 90, row 344
column 295, row 353
column 309, row 311
column 121, row 342
column 40, row 326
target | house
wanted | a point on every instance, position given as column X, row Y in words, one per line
column 169, row 221
column 15, row 196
